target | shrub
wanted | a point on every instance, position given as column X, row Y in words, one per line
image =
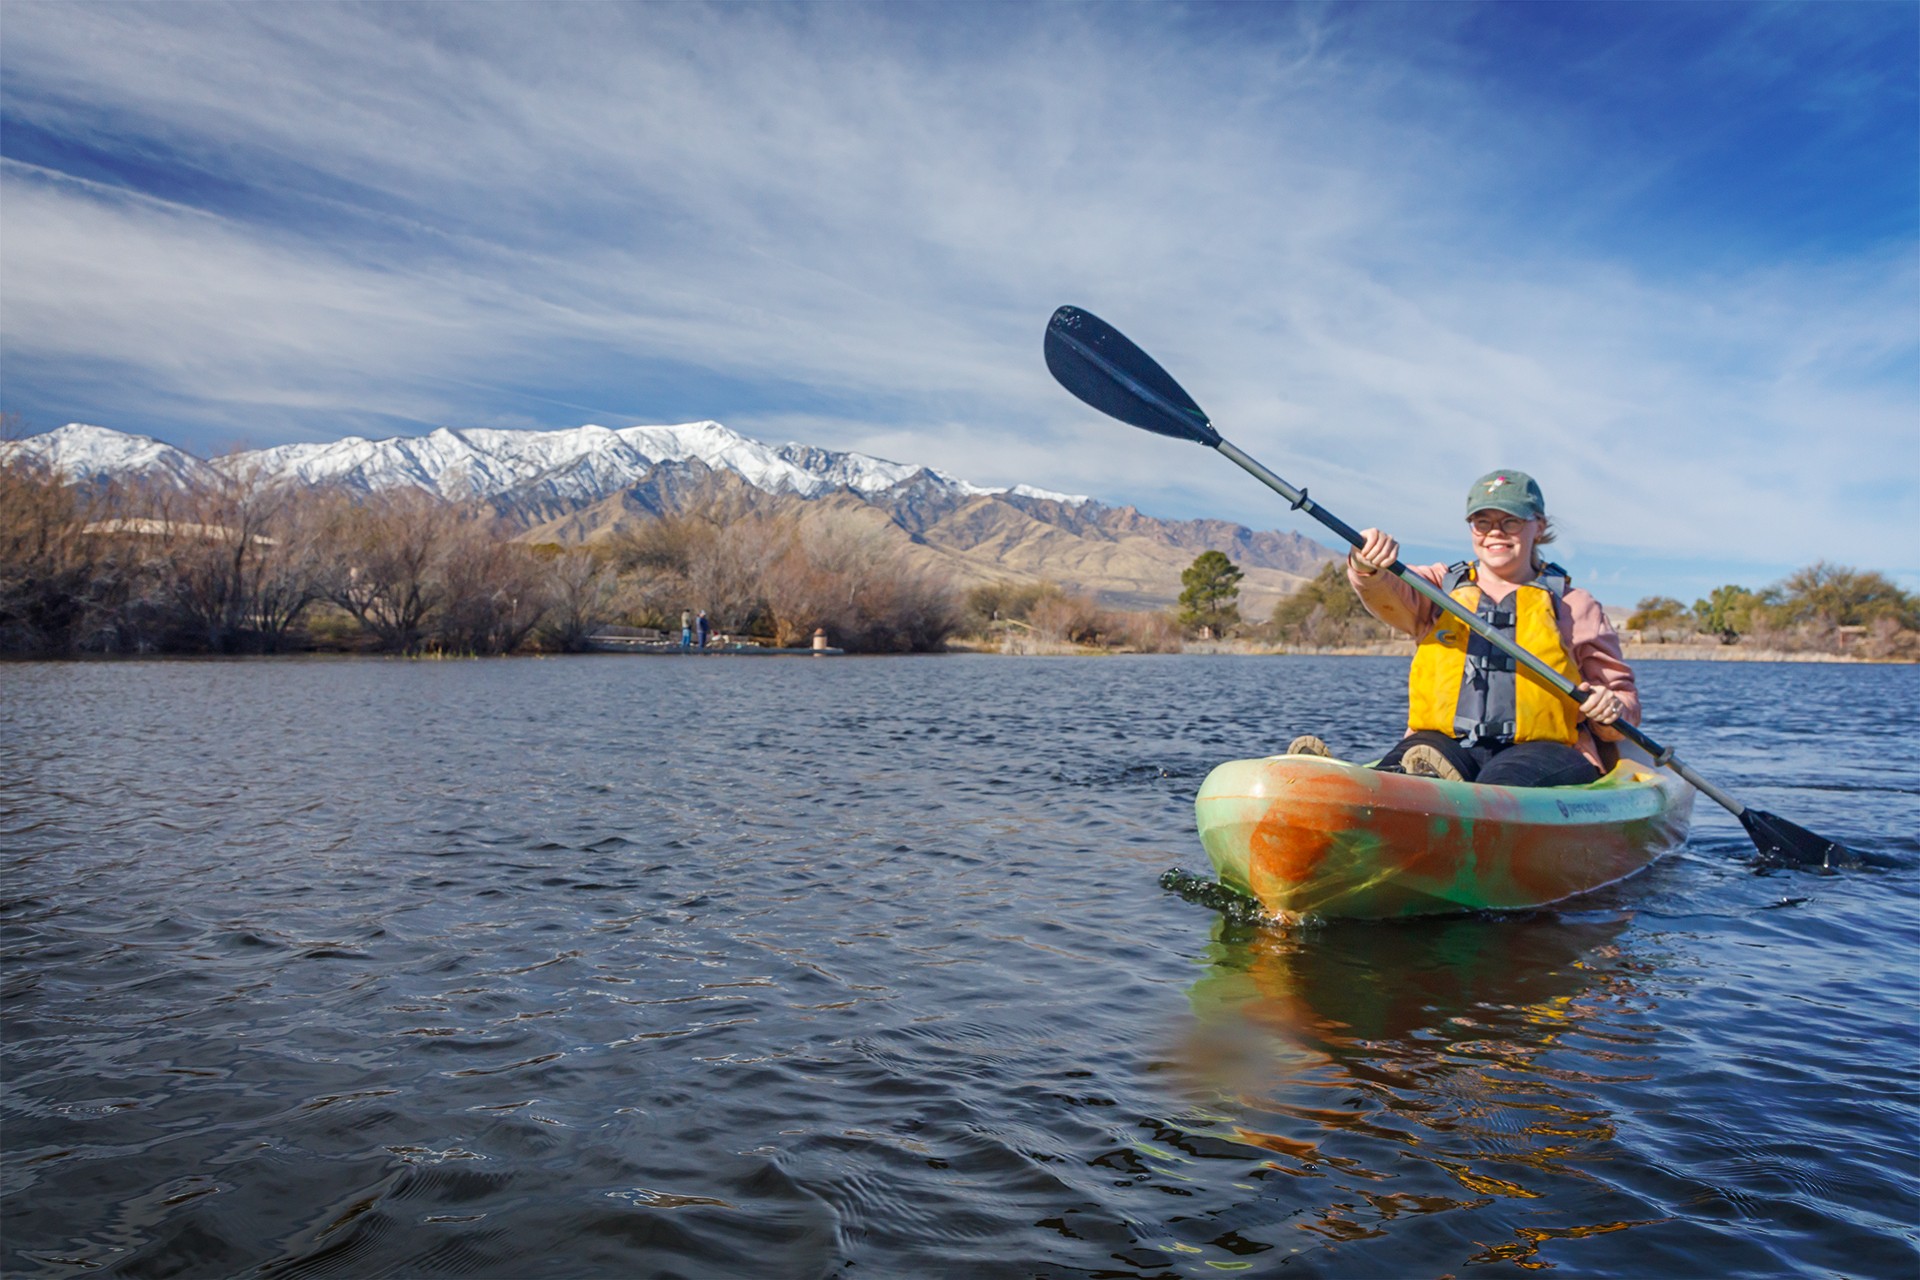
column 1150, row 632
column 1325, row 613
column 1000, row 602
column 1071, row 619
column 1728, row 612
column 1661, row 618
column 1843, row 597
column 1822, row 608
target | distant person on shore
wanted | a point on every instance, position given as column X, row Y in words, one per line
column 1472, row 716
column 704, row 629
column 686, row 631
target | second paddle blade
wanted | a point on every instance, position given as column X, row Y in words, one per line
column 1094, row 360
column 1775, row 837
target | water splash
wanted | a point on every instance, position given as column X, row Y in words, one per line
column 1235, row 906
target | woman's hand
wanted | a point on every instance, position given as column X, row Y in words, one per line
column 1377, row 551
column 1603, row 708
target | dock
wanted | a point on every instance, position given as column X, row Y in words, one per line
column 728, row 646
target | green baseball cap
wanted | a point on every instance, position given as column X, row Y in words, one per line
column 1514, row 492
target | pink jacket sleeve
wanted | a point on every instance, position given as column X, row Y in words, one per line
column 1394, row 602
column 1595, row 646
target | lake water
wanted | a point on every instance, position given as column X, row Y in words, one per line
column 634, row 967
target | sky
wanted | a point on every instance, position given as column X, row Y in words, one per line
column 1663, row 256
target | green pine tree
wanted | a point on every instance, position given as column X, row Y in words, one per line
column 1212, row 586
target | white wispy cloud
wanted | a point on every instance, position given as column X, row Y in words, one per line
column 849, row 223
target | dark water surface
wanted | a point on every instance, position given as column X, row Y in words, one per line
column 637, row 967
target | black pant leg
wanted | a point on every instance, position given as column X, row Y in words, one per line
column 1538, row 764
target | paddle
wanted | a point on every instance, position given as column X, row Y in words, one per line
column 1095, row 362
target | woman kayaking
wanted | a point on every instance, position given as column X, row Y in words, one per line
column 1325, row 838
column 1471, row 716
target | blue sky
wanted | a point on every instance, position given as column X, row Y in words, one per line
column 1666, row 257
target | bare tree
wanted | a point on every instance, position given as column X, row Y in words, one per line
column 814, row 577
column 655, row 561
column 583, row 592
column 836, row 571
column 48, row 565
column 242, row 561
column 386, row 572
column 236, row 564
column 287, row 580
column 726, row 575
column 492, row 591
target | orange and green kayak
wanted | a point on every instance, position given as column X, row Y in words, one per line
column 1313, row 838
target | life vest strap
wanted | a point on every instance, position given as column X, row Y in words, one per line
column 1476, row 733
column 1486, row 662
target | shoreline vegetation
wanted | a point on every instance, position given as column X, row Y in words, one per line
column 241, row 566
column 1635, row 653
column 1822, row 613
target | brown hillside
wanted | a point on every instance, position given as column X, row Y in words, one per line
column 1125, row 559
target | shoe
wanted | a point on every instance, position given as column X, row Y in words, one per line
column 1308, row 745
column 1423, row 761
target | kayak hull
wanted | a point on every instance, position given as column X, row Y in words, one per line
column 1314, row 838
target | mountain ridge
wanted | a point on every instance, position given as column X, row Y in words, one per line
column 584, row 484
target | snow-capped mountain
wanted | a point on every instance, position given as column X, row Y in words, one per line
column 576, row 465
column 88, row 455
column 586, row 483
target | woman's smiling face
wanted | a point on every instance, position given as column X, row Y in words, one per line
column 1504, row 543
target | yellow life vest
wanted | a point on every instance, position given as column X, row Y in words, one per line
column 1461, row 685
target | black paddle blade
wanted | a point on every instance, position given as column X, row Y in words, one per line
column 1095, row 361
column 1777, row 838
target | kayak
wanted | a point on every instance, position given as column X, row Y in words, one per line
column 1313, row 838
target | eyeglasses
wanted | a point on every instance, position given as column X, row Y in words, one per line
column 1509, row 525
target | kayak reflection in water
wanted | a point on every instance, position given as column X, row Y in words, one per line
column 1471, row 716
column 1422, row 1096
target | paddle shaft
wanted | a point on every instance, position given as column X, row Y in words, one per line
column 1301, row 502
